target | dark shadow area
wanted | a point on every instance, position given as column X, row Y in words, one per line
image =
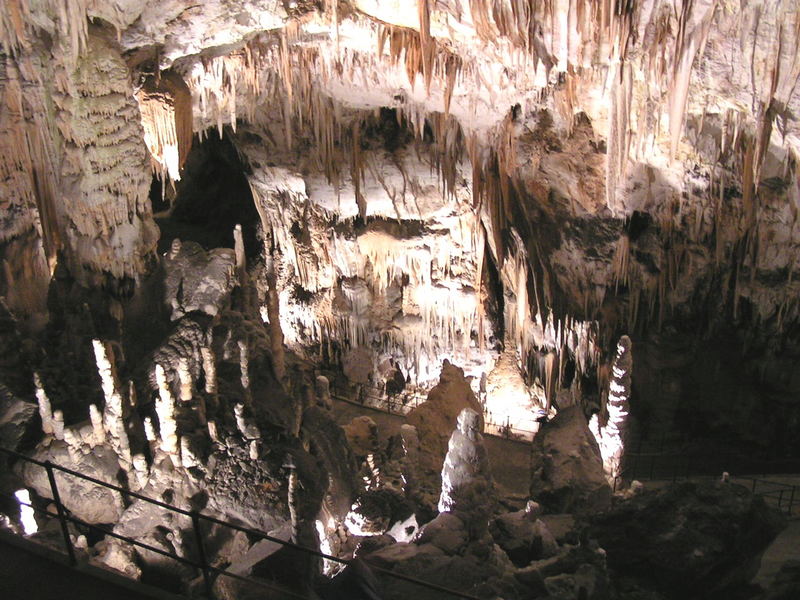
column 210, row 199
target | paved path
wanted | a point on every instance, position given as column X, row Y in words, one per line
column 785, row 547
column 26, row 574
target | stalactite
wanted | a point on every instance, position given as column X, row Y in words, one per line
column 165, row 103
column 691, row 39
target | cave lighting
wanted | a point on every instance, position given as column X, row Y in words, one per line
column 26, row 512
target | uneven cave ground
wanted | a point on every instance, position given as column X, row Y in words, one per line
column 497, row 296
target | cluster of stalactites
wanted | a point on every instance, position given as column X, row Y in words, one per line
column 165, row 104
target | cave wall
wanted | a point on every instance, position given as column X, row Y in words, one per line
column 437, row 182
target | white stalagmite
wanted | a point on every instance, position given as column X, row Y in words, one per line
column 58, row 425
column 238, row 248
column 188, row 457
column 45, row 411
column 96, row 417
column 73, row 440
column 244, row 365
column 113, row 415
column 141, row 470
column 185, row 379
column 209, row 370
column 410, row 461
column 213, row 433
column 466, row 475
column 323, row 391
column 611, row 436
column 150, row 430
column 246, row 427
column 165, row 409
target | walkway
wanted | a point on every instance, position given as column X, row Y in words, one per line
column 28, row 572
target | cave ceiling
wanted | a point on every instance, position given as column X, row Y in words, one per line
column 440, row 178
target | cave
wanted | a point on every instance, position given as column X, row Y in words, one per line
column 353, row 299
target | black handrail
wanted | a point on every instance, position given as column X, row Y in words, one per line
column 203, row 565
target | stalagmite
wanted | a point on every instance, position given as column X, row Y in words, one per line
column 611, row 436
column 323, row 392
column 292, row 496
column 150, row 430
column 165, row 409
column 238, row 248
column 113, row 412
column 141, row 470
column 185, row 379
column 273, row 312
column 188, row 457
column 58, row 425
column 96, row 418
column 74, row 444
column 209, row 370
column 213, row 433
column 466, row 475
column 410, row 462
column 246, row 427
column 45, row 411
column 244, row 366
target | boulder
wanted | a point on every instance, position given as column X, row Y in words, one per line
column 447, row 532
column 523, row 537
column 196, row 280
column 435, row 419
column 567, row 469
column 362, row 435
column 19, row 420
column 375, row 511
column 688, row 540
column 85, row 500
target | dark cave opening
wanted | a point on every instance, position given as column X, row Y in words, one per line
column 212, row 197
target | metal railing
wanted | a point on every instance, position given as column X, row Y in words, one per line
column 675, row 467
column 201, row 563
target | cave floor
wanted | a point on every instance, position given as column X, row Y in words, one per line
column 510, row 459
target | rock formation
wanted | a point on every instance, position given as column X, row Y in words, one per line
column 214, row 213
column 567, row 468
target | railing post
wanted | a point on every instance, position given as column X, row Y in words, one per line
column 791, row 500
column 753, row 490
column 62, row 517
column 201, row 553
